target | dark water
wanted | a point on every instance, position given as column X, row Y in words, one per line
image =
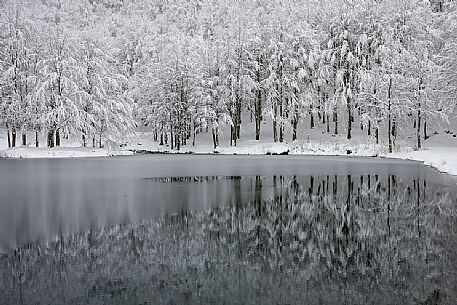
column 226, row 230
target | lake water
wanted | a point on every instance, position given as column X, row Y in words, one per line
column 187, row 229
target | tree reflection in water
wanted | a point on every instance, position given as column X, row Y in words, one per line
column 296, row 240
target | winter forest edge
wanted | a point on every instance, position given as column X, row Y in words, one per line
column 99, row 71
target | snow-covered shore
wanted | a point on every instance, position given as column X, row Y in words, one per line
column 60, row 152
column 444, row 159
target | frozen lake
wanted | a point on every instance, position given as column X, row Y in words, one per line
column 188, row 229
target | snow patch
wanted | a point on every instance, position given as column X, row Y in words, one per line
column 60, row 152
column 444, row 159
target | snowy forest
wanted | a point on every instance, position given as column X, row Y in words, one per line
column 100, row 70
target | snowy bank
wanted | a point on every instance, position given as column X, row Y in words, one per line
column 444, row 159
column 60, row 152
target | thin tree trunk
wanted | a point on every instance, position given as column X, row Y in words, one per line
column 258, row 109
column 24, row 139
column 425, row 128
column 328, row 123
column 294, row 127
column 281, row 123
column 50, row 138
column 389, row 115
column 214, row 139
column 275, row 129
column 376, row 132
column 13, row 135
column 335, row 120
column 37, row 141
column 419, row 118
column 419, row 145
column 57, row 137
column 350, row 119
column 171, row 140
column 257, row 129
column 8, row 136
column 311, row 120
column 394, row 131
column 194, row 132
column 178, row 141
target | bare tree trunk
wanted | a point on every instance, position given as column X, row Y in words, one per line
column 257, row 129
column 294, row 127
column 418, row 130
column 177, row 141
column 419, row 115
column 13, row 135
column 390, row 134
column 37, row 141
column 389, row 115
column 394, row 131
column 194, row 132
column 84, row 140
column 281, row 123
column 335, row 120
column 8, row 136
column 275, row 130
column 425, row 128
column 328, row 123
column 350, row 119
column 51, row 138
column 258, row 107
column 24, row 139
column 57, row 137
column 376, row 132
column 311, row 120
column 171, row 140
column 214, row 139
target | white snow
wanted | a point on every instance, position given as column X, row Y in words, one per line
column 60, row 152
column 444, row 159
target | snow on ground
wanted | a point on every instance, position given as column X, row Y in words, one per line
column 60, row 152
column 444, row 159
column 440, row 149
